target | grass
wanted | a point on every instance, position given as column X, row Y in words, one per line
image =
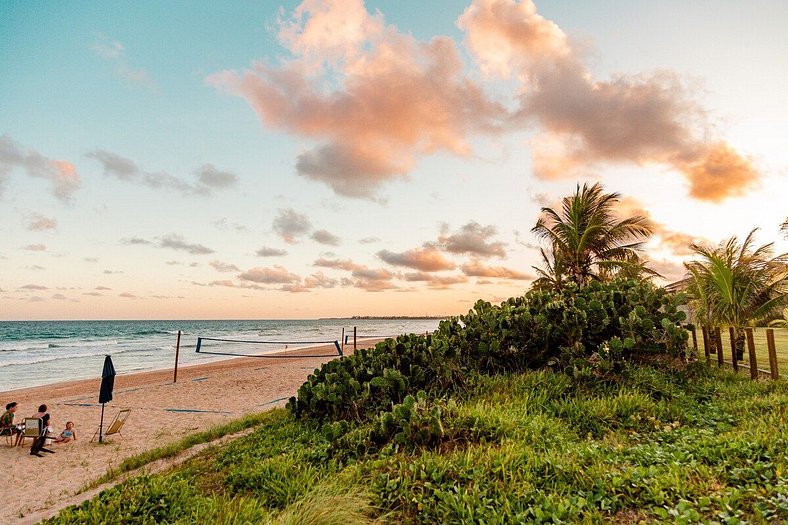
column 761, row 351
column 173, row 449
column 654, row 445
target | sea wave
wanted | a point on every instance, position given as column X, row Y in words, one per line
column 154, row 332
column 41, row 358
column 23, row 346
column 85, row 344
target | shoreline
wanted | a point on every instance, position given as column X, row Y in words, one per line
column 206, row 394
column 272, row 354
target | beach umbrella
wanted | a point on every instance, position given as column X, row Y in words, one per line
column 105, row 392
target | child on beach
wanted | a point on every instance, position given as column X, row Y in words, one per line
column 68, row 434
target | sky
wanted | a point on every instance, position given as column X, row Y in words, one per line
column 264, row 160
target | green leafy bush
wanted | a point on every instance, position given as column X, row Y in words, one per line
column 597, row 327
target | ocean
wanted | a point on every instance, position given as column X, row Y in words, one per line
column 35, row 353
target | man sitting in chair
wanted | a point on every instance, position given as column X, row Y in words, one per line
column 38, row 443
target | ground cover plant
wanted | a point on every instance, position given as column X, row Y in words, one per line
column 661, row 442
column 571, row 405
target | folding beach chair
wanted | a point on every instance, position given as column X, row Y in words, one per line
column 10, row 435
column 33, row 428
column 115, row 426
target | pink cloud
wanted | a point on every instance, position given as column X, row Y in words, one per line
column 641, row 119
column 220, row 266
column 676, row 242
column 294, row 288
column 436, row 282
column 37, row 222
column 669, row 270
column 338, row 264
column 375, row 98
column 319, row 280
column 424, row 259
column 479, row 269
column 62, row 175
column 273, row 275
column 474, row 239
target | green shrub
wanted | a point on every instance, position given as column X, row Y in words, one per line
column 590, row 330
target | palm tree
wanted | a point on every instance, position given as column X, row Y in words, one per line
column 736, row 284
column 633, row 266
column 553, row 276
column 585, row 234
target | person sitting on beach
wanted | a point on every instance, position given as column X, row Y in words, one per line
column 68, row 434
column 42, row 410
column 38, row 443
column 7, row 421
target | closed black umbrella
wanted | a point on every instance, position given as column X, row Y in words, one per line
column 105, row 392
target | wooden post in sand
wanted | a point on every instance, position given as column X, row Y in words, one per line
column 343, row 339
column 772, row 353
column 354, row 338
column 177, row 351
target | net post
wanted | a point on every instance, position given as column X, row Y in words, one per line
column 177, row 352
column 343, row 339
column 339, row 348
column 199, row 344
column 354, row 338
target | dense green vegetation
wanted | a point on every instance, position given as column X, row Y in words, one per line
column 736, row 284
column 562, row 406
column 574, row 403
column 655, row 443
column 599, row 326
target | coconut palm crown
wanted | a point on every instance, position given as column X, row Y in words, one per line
column 736, row 284
column 585, row 235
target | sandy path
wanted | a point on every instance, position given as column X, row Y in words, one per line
column 162, row 412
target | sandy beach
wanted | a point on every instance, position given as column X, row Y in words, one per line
column 161, row 412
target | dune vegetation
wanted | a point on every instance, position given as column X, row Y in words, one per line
column 577, row 402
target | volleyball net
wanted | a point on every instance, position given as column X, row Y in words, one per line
column 265, row 349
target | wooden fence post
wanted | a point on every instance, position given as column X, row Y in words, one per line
column 343, row 339
column 354, row 338
column 734, row 360
column 718, row 341
column 705, row 332
column 753, row 357
column 772, row 353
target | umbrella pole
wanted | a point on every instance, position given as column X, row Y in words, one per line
column 101, row 425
